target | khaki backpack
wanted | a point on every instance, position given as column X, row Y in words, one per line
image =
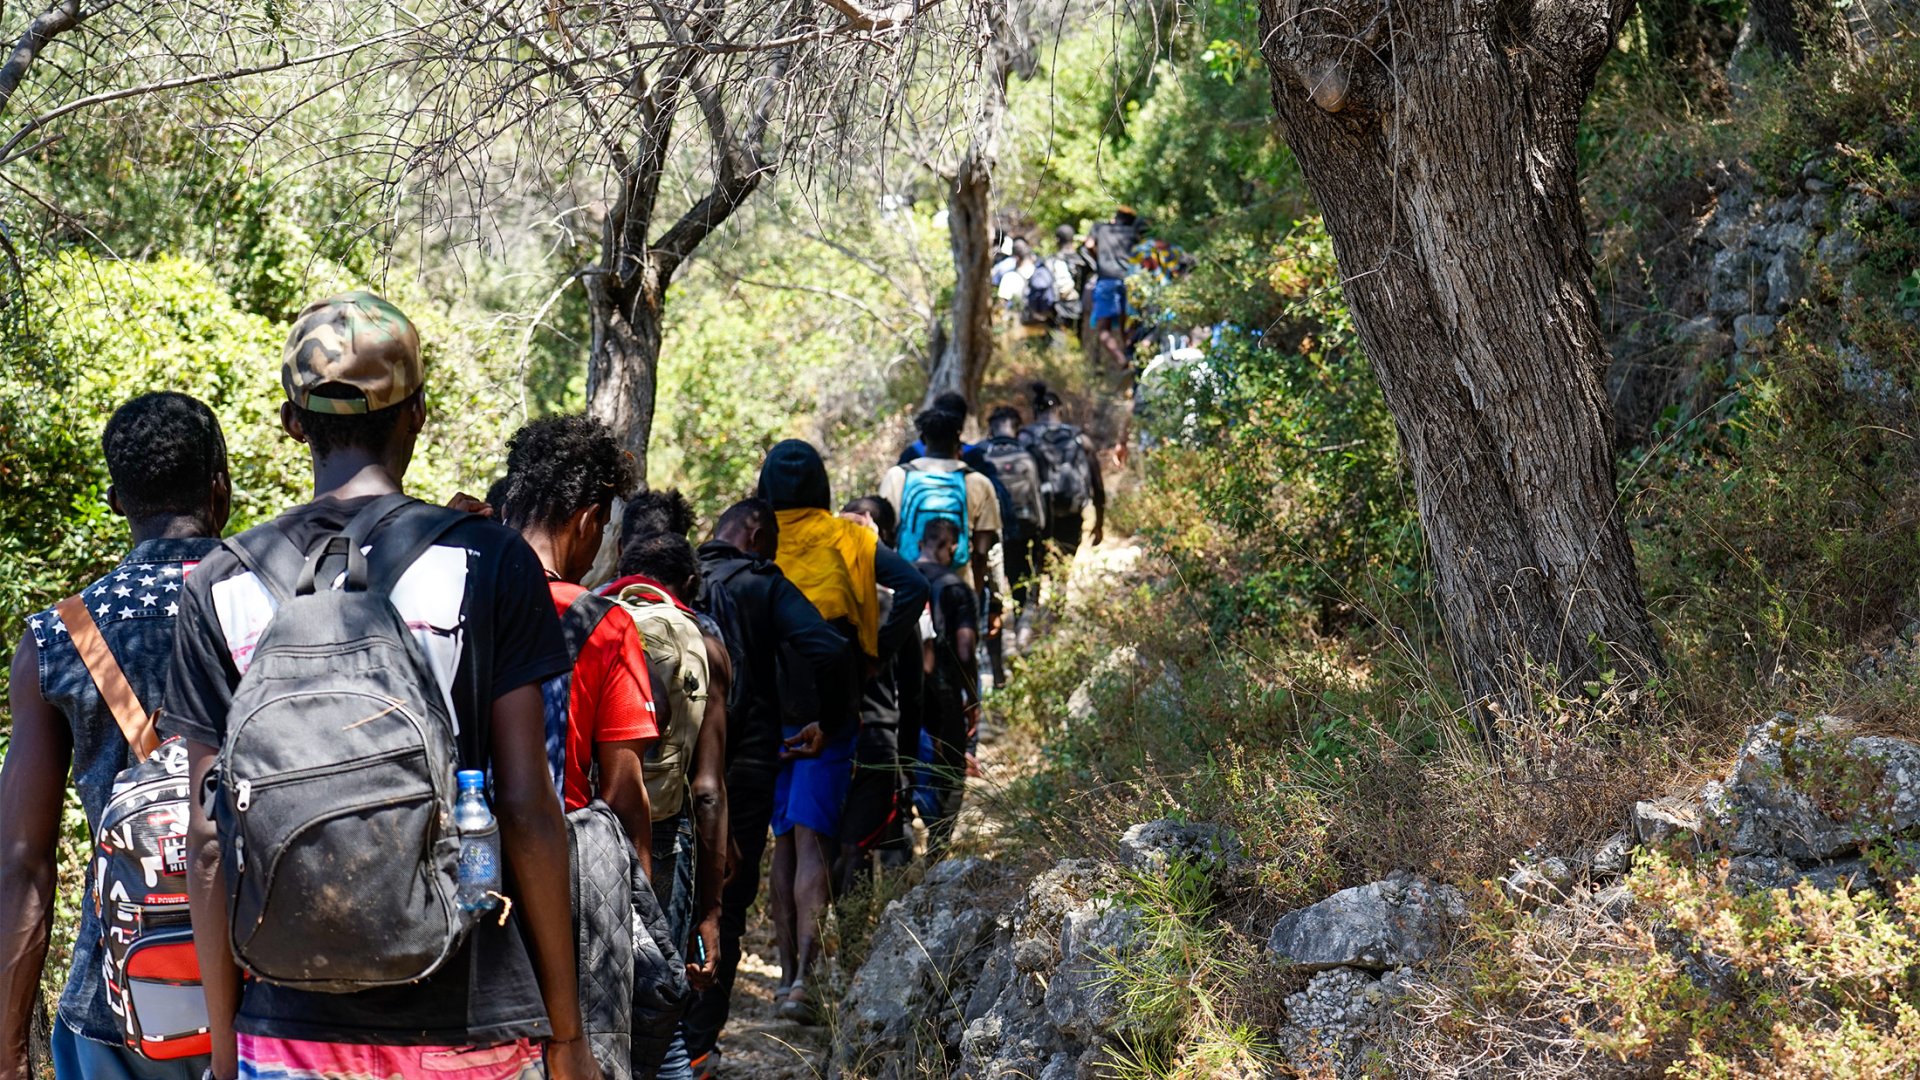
column 677, row 655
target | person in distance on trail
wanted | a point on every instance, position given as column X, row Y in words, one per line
column 660, row 580
column 1024, row 475
column 1112, row 247
column 563, row 474
column 1073, row 480
column 838, row 564
column 476, row 609
column 940, row 484
column 953, row 686
column 769, row 617
column 1070, row 269
column 168, row 463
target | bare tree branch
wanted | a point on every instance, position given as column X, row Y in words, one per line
column 56, row 20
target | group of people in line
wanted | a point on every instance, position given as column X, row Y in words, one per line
column 265, row 733
column 1082, row 283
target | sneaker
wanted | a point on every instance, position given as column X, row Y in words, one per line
column 706, row 1065
column 798, row 1008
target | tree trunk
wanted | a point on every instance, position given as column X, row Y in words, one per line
column 1438, row 139
column 1789, row 28
column 621, row 369
column 962, row 362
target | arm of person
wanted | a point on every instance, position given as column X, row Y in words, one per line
column 32, row 789
column 708, row 789
column 623, row 786
column 207, row 904
column 983, row 543
column 909, row 587
column 833, row 658
column 533, row 837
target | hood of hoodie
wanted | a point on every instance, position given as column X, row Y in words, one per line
column 795, row 478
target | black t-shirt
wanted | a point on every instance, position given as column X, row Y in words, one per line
column 479, row 606
column 1112, row 247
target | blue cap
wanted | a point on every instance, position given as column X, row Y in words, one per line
column 470, row 778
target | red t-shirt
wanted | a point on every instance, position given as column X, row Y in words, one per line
column 611, row 699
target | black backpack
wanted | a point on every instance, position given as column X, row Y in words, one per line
column 1041, row 296
column 335, row 782
column 1020, row 474
column 1069, row 474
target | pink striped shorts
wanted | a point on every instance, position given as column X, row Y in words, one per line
column 263, row 1058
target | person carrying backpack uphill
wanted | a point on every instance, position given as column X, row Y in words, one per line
column 939, row 485
column 952, row 688
column 332, row 670
column 86, row 678
column 1073, row 481
column 1023, row 474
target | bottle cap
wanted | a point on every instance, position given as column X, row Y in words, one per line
column 470, row 779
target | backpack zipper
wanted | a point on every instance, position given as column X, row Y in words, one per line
column 243, row 789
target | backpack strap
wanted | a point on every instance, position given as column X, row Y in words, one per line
column 582, row 619
column 271, row 557
column 411, row 527
column 135, row 722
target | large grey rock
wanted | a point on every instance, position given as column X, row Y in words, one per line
column 1655, row 821
column 1114, row 671
column 1752, row 331
column 1535, row 882
column 1737, row 284
column 1807, row 793
column 1152, row 845
column 1043, row 1000
column 1384, row 924
column 904, row 1006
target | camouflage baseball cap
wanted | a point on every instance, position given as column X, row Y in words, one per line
column 352, row 353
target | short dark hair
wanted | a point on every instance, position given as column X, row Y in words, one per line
column 1064, row 234
column 939, row 530
column 559, row 465
column 1043, row 398
column 665, row 557
column 656, row 511
column 164, row 451
column 1005, row 413
column 954, row 402
column 938, row 425
column 329, row 433
column 749, row 514
column 880, row 510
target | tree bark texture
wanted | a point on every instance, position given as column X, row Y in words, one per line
column 622, row 367
column 960, row 364
column 962, row 361
column 1438, row 139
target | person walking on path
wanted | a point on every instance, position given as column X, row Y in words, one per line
column 952, row 687
column 563, row 474
column 1023, row 473
column 661, row 577
column 478, row 622
column 168, row 463
column 772, row 619
column 839, row 565
column 1073, row 479
column 1112, row 249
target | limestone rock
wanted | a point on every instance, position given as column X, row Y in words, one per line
column 1657, row 820
column 1341, row 1009
column 1154, row 844
column 929, row 942
column 1384, row 924
column 1539, row 881
column 1613, row 857
column 1114, row 671
column 1752, row 331
column 1807, row 794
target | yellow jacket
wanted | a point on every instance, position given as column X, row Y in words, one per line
column 830, row 559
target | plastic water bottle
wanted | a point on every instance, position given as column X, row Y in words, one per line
column 479, row 843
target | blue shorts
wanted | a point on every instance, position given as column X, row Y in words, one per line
column 1109, row 299
column 813, row 791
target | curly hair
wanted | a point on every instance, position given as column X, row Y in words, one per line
column 940, row 427
column 666, row 557
column 656, row 511
column 559, row 465
column 164, row 451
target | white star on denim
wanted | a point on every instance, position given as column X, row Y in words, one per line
column 103, row 609
column 126, row 613
column 147, row 582
column 146, row 566
column 172, row 586
column 122, row 576
column 149, row 599
column 173, row 609
column 171, row 571
column 34, row 623
column 100, row 590
column 59, row 628
column 122, row 591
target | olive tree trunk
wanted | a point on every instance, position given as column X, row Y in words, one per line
column 1438, row 139
column 960, row 362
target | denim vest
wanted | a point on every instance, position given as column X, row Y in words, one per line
column 134, row 605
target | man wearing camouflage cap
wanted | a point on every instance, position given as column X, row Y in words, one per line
column 477, row 604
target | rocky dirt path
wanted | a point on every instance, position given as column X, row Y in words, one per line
column 758, row 1045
